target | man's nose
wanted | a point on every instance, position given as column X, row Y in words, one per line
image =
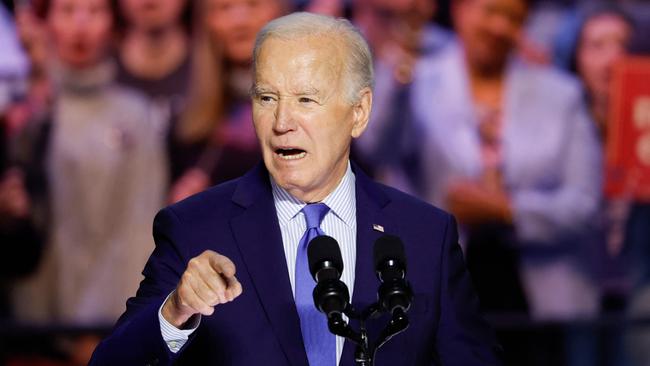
column 284, row 120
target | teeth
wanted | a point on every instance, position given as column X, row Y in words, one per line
column 293, row 157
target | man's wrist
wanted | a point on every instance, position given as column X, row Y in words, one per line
column 170, row 313
column 175, row 337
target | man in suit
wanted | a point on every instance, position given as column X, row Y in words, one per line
column 226, row 282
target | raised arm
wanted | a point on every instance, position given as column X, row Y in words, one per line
column 187, row 287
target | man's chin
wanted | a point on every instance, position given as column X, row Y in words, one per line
column 288, row 183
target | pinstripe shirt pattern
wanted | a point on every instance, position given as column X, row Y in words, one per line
column 340, row 223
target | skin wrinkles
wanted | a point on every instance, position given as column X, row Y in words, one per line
column 298, row 103
column 301, row 83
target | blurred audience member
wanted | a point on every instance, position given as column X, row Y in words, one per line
column 102, row 157
column 34, row 41
column 154, row 49
column 512, row 152
column 17, row 230
column 510, row 149
column 400, row 34
column 603, row 38
column 214, row 140
column 568, row 17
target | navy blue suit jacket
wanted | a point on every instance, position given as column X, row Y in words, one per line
column 261, row 327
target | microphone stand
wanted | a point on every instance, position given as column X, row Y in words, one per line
column 364, row 353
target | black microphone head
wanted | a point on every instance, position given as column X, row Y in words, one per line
column 390, row 265
column 389, row 247
column 324, row 252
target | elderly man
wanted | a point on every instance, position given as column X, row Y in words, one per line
column 227, row 283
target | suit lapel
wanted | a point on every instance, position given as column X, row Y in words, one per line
column 258, row 236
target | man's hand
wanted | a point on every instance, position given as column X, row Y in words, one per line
column 208, row 281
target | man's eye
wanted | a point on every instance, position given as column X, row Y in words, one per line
column 266, row 98
column 305, row 100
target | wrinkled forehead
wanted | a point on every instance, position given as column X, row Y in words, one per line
column 302, row 60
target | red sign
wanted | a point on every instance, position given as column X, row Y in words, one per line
column 627, row 172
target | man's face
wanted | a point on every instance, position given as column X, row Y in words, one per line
column 303, row 120
column 489, row 29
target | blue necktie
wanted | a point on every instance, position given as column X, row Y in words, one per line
column 320, row 344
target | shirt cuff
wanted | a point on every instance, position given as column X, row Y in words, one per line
column 174, row 337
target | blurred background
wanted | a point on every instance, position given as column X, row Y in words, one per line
column 529, row 120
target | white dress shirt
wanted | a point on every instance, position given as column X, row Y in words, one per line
column 340, row 223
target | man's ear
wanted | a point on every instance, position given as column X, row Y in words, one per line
column 361, row 110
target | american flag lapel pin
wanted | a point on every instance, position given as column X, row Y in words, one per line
column 377, row 227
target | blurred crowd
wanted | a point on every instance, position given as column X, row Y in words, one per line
column 496, row 110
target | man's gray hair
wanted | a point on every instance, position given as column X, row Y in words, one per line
column 358, row 62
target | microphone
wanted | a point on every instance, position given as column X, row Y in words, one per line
column 331, row 295
column 395, row 294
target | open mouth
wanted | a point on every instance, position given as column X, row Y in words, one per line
column 290, row 153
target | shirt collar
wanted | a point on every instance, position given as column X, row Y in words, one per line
column 341, row 201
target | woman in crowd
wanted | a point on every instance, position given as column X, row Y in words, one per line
column 604, row 39
column 509, row 148
column 154, row 49
column 214, row 139
column 103, row 159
